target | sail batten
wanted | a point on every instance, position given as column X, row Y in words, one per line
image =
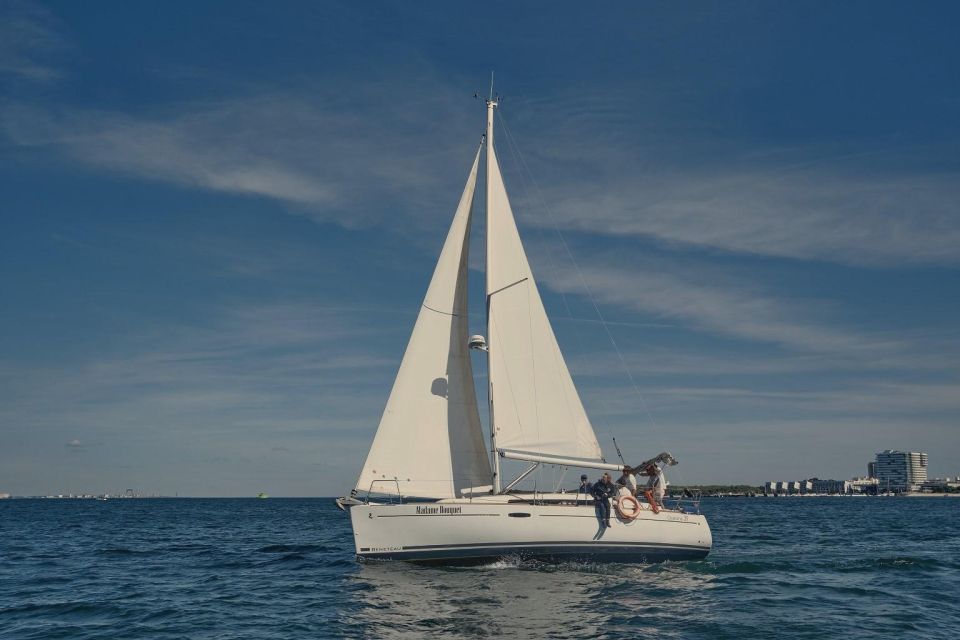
column 429, row 443
column 537, row 405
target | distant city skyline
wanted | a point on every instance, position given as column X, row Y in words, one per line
column 892, row 465
column 219, row 225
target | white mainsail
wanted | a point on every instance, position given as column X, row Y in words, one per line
column 429, row 443
column 534, row 404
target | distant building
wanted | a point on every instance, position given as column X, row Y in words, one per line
column 864, row 485
column 799, row 487
column 871, row 469
column 793, row 487
column 941, row 485
column 900, row 470
column 830, row 486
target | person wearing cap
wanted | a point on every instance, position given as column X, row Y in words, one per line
column 603, row 490
column 585, row 486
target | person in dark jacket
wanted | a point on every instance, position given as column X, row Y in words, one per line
column 603, row 490
column 585, row 486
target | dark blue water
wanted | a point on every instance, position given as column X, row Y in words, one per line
column 781, row 568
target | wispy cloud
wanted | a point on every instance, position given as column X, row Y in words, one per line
column 369, row 159
column 312, row 152
column 806, row 214
column 715, row 306
column 28, row 38
column 910, row 356
column 289, row 378
column 868, row 205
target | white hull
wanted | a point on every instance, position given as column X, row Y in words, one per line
column 464, row 531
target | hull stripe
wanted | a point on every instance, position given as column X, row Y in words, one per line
column 593, row 552
column 546, row 543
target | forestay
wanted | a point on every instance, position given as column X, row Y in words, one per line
column 429, row 440
column 535, row 406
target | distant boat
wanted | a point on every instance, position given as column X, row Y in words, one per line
column 428, row 491
column 262, row 495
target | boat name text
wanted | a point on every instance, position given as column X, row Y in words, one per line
column 432, row 511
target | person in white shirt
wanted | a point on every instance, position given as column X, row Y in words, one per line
column 628, row 481
column 657, row 482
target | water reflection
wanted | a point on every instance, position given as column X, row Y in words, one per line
column 525, row 600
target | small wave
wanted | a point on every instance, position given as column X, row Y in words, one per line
column 241, row 563
column 122, row 551
column 899, row 563
column 520, row 563
column 339, row 562
column 160, row 614
column 292, row 548
column 58, row 609
column 189, row 547
column 511, row 562
column 287, row 559
column 741, row 567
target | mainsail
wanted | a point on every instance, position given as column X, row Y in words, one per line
column 535, row 407
column 429, row 443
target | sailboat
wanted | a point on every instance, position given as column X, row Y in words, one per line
column 430, row 489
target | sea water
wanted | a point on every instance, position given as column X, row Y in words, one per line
column 277, row 568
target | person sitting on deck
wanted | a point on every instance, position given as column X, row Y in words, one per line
column 627, row 481
column 657, row 482
column 603, row 490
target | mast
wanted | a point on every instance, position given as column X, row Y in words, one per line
column 491, row 105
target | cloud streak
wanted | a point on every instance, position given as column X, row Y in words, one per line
column 260, row 379
column 369, row 159
column 870, row 207
column 316, row 155
column 715, row 307
column 27, row 38
column 809, row 214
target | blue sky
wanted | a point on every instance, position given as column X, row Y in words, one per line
column 220, row 219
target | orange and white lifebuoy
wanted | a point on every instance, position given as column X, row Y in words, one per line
column 627, row 512
column 654, row 505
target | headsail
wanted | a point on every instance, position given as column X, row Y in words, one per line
column 534, row 404
column 429, row 440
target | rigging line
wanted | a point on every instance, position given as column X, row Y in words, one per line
column 525, row 183
column 528, row 188
column 558, row 364
column 583, row 281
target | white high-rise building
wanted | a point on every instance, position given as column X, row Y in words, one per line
column 901, row 470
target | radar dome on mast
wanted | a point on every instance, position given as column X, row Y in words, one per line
column 478, row 342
